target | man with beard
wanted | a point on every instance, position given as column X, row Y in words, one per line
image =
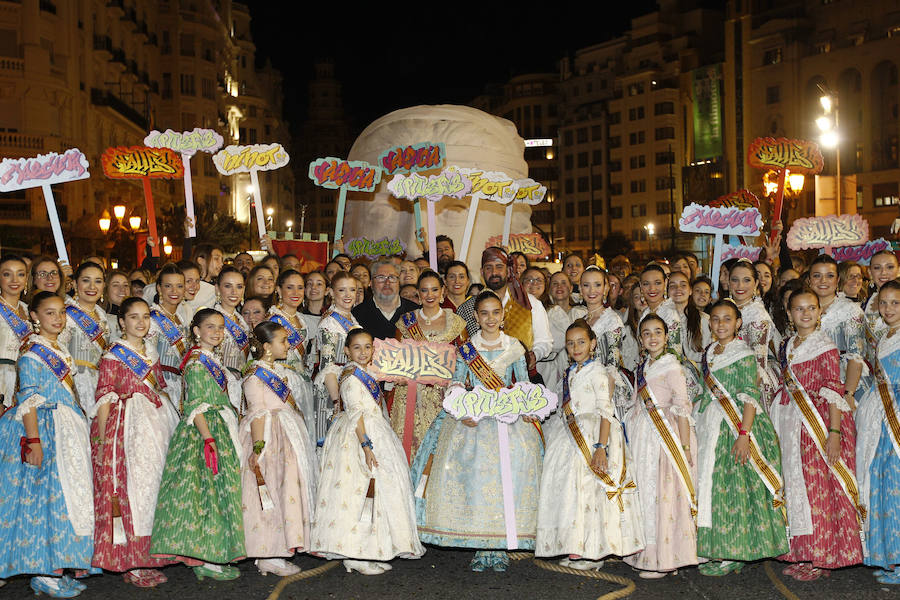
column 243, row 262
column 524, row 317
column 379, row 314
column 445, row 253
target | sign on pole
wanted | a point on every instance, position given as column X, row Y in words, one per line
column 828, row 232
column 339, row 174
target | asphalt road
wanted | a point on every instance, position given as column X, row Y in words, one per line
column 444, row 574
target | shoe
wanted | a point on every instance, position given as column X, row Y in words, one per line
column 583, row 564
column 718, row 568
column 363, row 567
column 217, row 572
column 566, row 562
column 889, row 577
column 144, row 578
column 500, row 562
column 381, row 565
column 480, row 562
column 653, row 574
column 792, row 569
column 52, row 586
column 810, row 573
column 72, row 583
column 278, row 566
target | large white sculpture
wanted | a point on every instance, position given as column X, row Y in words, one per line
column 472, row 138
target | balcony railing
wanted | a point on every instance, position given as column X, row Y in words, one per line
column 103, row 43
column 15, row 65
column 105, row 98
column 21, row 141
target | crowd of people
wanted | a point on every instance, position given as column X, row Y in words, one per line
column 215, row 410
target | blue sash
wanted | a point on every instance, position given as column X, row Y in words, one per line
column 89, row 326
column 295, row 338
column 131, row 359
column 274, row 382
column 56, row 364
column 236, row 332
column 19, row 327
column 214, row 369
column 170, row 330
column 344, row 322
column 370, row 383
column 412, row 326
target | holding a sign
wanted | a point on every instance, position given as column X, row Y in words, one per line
column 828, row 232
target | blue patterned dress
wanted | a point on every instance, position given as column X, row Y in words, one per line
column 46, row 512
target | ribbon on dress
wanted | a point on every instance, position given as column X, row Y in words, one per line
column 170, row 330
column 409, row 418
column 343, row 321
column 276, row 384
column 237, row 333
column 135, row 363
column 15, row 322
column 670, row 443
column 211, row 365
column 87, row 324
column 295, row 338
column 889, row 403
column 56, row 364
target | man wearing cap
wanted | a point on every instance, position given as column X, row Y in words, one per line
column 524, row 317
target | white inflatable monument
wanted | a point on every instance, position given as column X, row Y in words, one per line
column 472, row 139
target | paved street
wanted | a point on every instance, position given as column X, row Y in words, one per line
column 444, row 574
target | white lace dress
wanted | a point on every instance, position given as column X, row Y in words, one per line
column 553, row 366
column 845, row 323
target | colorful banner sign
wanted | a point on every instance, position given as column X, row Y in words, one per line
column 505, row 405
column 431, row 187
column 141, row 162
column 426, row 363
column 43, row 169
column 313, row 255
column 860, row 254
column 741, row 200
column 500, row 187
column 828, row 232
column 187, row 143
column 373, row 249
column 798, row 156
column 420, row 157
column 706, row 83
column 696, row 218
column 531, row 245
column 249, row 159
column 751, row 253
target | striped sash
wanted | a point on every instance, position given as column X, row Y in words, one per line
column 56, row 364
column 276, row 384
column 889, row 403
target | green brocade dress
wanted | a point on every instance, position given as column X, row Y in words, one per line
column 198, row 514
column 736, row 520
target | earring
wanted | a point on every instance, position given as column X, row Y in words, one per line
column 268, row 355
column 37, row 326
column 819, row 323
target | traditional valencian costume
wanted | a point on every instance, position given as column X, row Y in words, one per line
column 14, row 332
column 169, row 333
column 333, row 329
column 86, row 336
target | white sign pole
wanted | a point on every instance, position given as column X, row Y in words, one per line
column 507, row 224
column 189, row 195
column 470, row 224
column 257, row 195
column 716, row 264
column 54, row 225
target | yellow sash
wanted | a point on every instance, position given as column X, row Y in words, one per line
column 517, row 323
column 889, row 404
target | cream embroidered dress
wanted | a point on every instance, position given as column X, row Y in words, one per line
column 845, row 323
column 759, row 332
column 553, row 366
column 9, row 353
column 85, row 352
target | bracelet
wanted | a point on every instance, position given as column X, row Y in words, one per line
column 601, row 445
column 743, row 432
column 258, row 447
column 833, row 430
column 367, row 443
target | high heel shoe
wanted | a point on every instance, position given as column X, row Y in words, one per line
column 363, row 567
column 52, row 586
column 227, row 573
column 278, row 566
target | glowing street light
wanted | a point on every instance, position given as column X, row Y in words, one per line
column 134, row 221
column 795, row 181
column 119, row 211
column 289, row 224
column 105, row 222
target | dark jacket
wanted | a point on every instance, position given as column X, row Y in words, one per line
column 372, row 320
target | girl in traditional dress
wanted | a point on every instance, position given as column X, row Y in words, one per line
column 133, row 422
column 46, row 506
column 198, row 513
column 878, row 445
column 653, row 288
column 695, row 336
column 459, row 490
column 577, row 515
column 560, row 315
column 845, row 324
column 315, row 303
column 364, row 506
column 883, row 267
column 660, row 432
column 431, row 323
column 757, row 329
column 280, row 470
column 631, row 348
column 86, row 335
column 14, row 326
column 169, row 319
column 235, row 348
column 333, row 329
column 818, row 449
column 738, row 471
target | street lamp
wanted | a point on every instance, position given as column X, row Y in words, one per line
column 119, row 211
column 134, row 221
column 105, row 222
column 167, row 246
column 830, row 137
column 651, row 229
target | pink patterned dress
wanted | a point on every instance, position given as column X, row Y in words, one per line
column 823, row 523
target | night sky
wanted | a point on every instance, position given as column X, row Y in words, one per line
column 396, row 55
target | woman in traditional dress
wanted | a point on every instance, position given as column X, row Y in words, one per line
column 878, row 445
column 458, row 280
column 280, row 470
column 757, row 329
column 653, row 288
column 560, row 315
column 844, row 322
column 459, row 491
column 117, row 289
column 818, row 449
column 636, row 305
column 883, row 267
column 86, row 335
column 46, row 506
column 695, row 336
column 333, row 329
column 365, row 513
column 14, row 326
column 737, row 517
column 660, row 432
column 235, row 348
column 198, row 513
column 133, row 420
column 573, row 266
column 589, row 506
column 169, row 320
column 431, row 323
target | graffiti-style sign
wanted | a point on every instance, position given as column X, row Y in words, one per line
column 426, row 363
column 43, row 169
column 357, row 247
column 354, row 175
column 505, row 405
column 433, row 187
column 741, row 199
column 696, row 218
column 751, row 253
column 188, row 142
column 421, row 157
column 138, row 162
column 799, row 156
column 832, row 231
column 500, row 187
column 860, row 254
column 255, row 157
column 531, row 245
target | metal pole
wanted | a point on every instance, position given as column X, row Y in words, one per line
column 837, row 152
column 671, row 158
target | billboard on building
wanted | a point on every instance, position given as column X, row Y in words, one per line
column 706, row 87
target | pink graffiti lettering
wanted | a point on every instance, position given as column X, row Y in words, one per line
column 341, row 173
column 710, row 219
column 413, row 158
column 42, row 168
column 861, row 254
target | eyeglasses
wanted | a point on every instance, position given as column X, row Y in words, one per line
column 47, row 274
column 383, row 278
column 531, row 280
